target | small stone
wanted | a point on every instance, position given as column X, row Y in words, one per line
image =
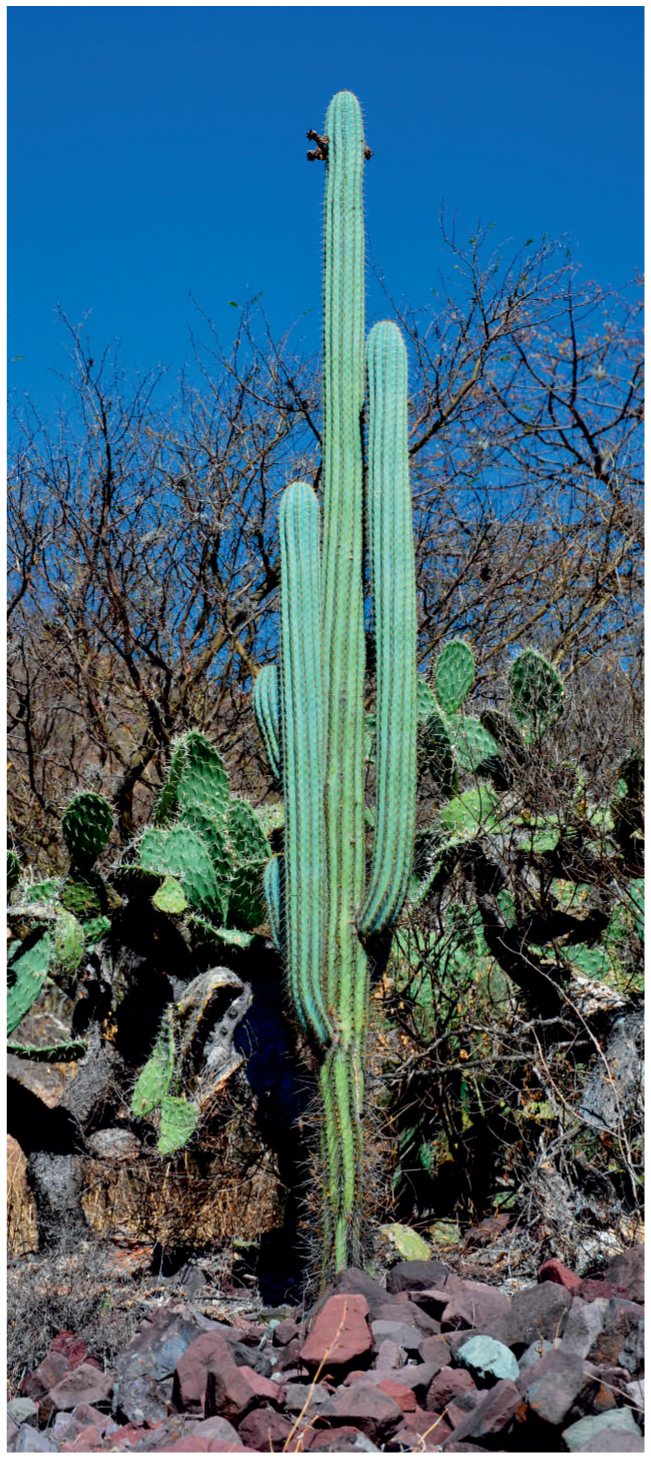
column 75, row 1349
column 87, row 1439
column 582, row 1325
column 66, row 1426
column 587, row 1430
column 229, row 1393
column 430, row 1429
column 337, row 1441
column 436, row 1350
column 534, row 1353
column 34, row 1441
column 403, row 1396
column 487, row 1358
column 401, row 1333
column 635, row 1392
column 264, row 1429
column 478, row 1306
column 538, row 1312
column 556, row 1385
column 340, row 1334
column 627, row 1270
column 389, row 1355
column 414, row 1276
column 493, row 1414
column 158, row 1345
column 447, row 1386
column 554, row 1271
column 206, row 1353
column 86, row 1414
column 621, row 1341
column 365, row 1406
column 305, row 1397
column 83, row 1384
column 284, row 1332
column 215, row 1428
column 22, row 1410
column 46, row 1376
column 12, row 1430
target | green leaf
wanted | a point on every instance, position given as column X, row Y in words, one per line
column 178, row 1121
column 26, row 974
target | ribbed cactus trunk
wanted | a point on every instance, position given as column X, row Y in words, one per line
column 312, row 720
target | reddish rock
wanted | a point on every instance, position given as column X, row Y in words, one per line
column 265, row 1429
column 332, row 1441
column 229, row 1392
column 365, row 1406
column 480, row 1307
column 446, row 1386
column 627, row 1271
column 265, row 1391
column 73, row 1348
column 46, row 1376
column 87, row 1439
column 215, row 1428
column 594, row 1288
column 83, row 1384
column 284, row 1332
column 341, row 1334
column 403, row 1396
column 429, row 1429
column 415, row 1276
column 389, row 1355
column 289, row 1357
column 86, row 1414
column 493, row 1414
column 538, row 1312
column 130, row 1433
column 435, row 1350
column 208, row 1352
column 557, row 1389
column 554, row 1271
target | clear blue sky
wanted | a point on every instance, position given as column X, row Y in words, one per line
column 159, row 152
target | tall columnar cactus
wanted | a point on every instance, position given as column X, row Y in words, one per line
column 311, row 714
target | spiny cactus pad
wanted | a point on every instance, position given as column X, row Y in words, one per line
column 84, row 895
column 246, row 908
column 87, row 824
column 245, row 833
column 473, row 744
column 68, row 941
column 470, row 814
column 64, row 1053
column 42, row 893
column 436, row 751
column 26, row 973
column 536, row 691
column 197, row 780
column 181, row 853
column 154, row 1080
column 454, row 674
column 178, row 1121
column 170, row 897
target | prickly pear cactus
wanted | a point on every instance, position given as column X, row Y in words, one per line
column 87, row 824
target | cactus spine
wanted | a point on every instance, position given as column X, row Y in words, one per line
column 316, row 732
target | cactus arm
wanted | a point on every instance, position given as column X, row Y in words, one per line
column 343, row 625
column 266, row 707
column 273, row 897
column 391, row 552
column 302, row 696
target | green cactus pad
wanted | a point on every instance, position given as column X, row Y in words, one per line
column 42, row 893
column 271, row 817
column 95, row 929
column 246, row 907
column 213, row 833
column 245, row 833
column 470, row 814
column 202, row 782
column 170, row 897
column 27, row 969
column 154, row 1080
column 234, row 937
column 84, row 896
column 536, row 692
column 65, row 1053
column 178, row 1122
column 13, row 871
column 437, row 755
column 473, row 745
column 68, row 942
column 454, row 674
column 181, row 853
column 425, row 700
column 87, row 824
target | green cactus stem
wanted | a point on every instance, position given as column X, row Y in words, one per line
column 311, row 715
column 87, row 824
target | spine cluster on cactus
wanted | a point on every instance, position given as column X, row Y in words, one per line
column 311, row 713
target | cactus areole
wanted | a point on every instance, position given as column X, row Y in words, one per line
column 323, row 907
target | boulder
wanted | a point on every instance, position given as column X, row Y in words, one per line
column 538, row 1312
column 340, row 1335
column 191, row 1372
column 488, row 1359
column 556, row 1387
column 415, row 1276
column 366, row 1407
column 554, row 1271
column 493, row 1415
column 627, row 1270
column 585, row 1433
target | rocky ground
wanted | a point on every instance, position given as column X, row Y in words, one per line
column 433, row 1361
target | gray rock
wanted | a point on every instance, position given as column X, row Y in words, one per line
column 487, row 1358
column 402, row 1333
column 586, row 1430
column 215, row 1428
column 636, row 1394
column 22, row 1410
column 534, row 1353
column 415, row 1276
column 299, row 1395
column 582, row 1325
column 33, row 1441
column 557, row 1387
